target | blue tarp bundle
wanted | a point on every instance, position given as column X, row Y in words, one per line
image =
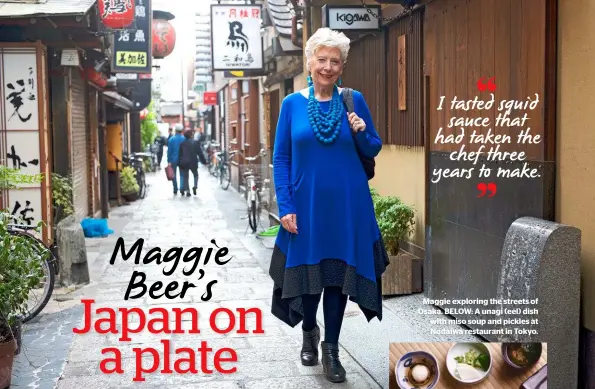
column 93, row 228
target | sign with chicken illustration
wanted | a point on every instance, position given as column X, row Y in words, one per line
column 235, row 35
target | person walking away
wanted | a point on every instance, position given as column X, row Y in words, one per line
column 188, row 163
column 200, row 141
column 160, row 141
column 170, row 133
column 329, row 241
column 173, row 155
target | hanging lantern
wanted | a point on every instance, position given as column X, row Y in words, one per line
column 94, row 76
column 116, row 14
column 164, row 38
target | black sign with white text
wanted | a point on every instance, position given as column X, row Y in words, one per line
column 132, row 50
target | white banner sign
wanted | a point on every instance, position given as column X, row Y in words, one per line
column 22, row 148
column 236, row 42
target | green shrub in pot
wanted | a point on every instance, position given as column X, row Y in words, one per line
column 62, row 189
column 128, row 180
column 396, row 220
column 20, row 272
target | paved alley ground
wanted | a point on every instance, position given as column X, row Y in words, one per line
column 54, row 357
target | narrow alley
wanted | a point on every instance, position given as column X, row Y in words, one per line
column 165, row 221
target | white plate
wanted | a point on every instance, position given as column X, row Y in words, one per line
column 459, row 349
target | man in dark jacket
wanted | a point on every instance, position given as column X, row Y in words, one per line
column 189, row 150
column 160, row 141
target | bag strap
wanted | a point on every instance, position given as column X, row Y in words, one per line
column 348, row 99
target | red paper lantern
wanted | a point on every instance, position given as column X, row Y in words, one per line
column 95, row 77
column 116, row 14
column 164, row 38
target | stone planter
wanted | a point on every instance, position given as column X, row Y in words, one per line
column 130, row 197
column 403, row 275
column 7, row 353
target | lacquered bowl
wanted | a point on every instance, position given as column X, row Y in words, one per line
column 532, row 359
column 411, row 359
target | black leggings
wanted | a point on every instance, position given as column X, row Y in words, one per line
column 333, row 305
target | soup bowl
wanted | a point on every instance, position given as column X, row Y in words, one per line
column 521, row 355
column 404, row 370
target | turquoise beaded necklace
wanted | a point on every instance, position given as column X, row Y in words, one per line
column 326, row 125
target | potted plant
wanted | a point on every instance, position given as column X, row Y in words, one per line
column 128, row 183
column 19, row 274
column 395, row 222
column 62, row 197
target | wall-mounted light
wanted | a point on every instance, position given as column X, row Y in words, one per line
column 70, row 57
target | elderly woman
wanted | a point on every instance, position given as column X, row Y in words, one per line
column 329, row 240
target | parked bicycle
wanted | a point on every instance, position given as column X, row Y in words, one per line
column 136, row 161
column 212, row 149
column 40, row 296
column 254, row 182
column 223, row 167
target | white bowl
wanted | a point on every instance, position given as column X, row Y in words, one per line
column 459, row 349
column 402, row 367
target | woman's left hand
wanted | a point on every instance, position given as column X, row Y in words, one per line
column 357, row 124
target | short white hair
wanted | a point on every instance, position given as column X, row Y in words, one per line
column 325, row 37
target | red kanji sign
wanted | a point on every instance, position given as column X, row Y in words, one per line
column 210, row 98
column 116, row 14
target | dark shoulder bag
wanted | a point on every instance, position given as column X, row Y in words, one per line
column 368, row 163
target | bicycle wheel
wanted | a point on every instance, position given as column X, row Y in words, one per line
column 142, row 185
column 252, row 216
column 39, row 297
column 213, row 166
column 225, row 176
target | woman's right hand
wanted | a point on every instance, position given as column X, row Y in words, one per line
column 289, row 222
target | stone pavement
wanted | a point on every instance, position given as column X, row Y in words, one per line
column 270, row 360
column 54, row 357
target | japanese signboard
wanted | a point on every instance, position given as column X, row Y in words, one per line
column 235, row 37
column 210, row 98
column 21, row 129
column 132, row 46
column 116, row 13
column 351, row 17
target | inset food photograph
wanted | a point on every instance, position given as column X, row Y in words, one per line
column 468, row 365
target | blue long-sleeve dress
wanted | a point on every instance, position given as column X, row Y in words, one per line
column 338, row 241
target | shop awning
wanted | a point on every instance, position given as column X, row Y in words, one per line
column 45, row 8
column 118, row 100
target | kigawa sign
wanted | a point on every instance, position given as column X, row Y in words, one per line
column 235, row 37
column 351, row 17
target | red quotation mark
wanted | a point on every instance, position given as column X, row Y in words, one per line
column 483, row 188
column 482, row 85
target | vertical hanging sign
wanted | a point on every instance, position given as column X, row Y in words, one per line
column 235, row 37
column 132, row 46
column 21, row 125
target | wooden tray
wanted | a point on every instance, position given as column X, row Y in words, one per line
column 501, row 376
